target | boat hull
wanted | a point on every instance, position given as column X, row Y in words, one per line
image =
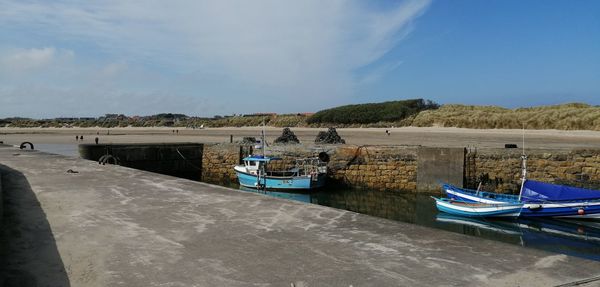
column 478, row 210
column 281, row 183
column 569, row 209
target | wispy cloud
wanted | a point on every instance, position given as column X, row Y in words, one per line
column 228, row 56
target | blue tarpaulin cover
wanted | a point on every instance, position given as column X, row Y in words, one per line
column 535, row 191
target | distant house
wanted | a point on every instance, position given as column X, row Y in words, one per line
column 305, row 114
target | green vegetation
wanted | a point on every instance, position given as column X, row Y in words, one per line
column 574, row 116
column 420, row 113
column 372, row 113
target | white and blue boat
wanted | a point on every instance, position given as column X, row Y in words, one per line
column 308, row 173
column 477, row 209
column 539, row 199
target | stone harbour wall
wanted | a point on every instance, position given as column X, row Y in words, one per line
column 218, row 161
column 373, row 167
column 501, row 169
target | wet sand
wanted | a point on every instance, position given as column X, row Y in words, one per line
column 430, row 136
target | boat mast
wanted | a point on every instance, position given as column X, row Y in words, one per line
column 263, row 136
column 264, row 166
column 523, row 165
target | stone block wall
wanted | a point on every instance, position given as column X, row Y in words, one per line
column 218, row 161
column 579, row 168
column 373, row 167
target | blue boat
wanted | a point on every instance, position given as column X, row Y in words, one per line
column 477, row 209
column 539, row 199
column 308, row 173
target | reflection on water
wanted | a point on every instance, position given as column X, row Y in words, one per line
column 304, row 197
column 577, row 238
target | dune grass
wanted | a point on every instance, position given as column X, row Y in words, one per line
column 573, row 116
column 286, row 120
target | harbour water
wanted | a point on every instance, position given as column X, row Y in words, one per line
column 571, row 237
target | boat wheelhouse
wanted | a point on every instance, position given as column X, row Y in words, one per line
column 307, row 173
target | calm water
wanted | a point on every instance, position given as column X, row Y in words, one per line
column 577, row 238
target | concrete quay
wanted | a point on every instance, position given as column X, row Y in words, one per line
column 106, row 225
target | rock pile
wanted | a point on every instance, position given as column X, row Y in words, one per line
column 249, row 140
column 287, row 137
column 329, row 137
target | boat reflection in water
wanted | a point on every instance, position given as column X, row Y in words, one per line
column 303, row 197
column 570, row 237
column 577, row 238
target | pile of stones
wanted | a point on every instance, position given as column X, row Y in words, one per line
column 329, row 137
column 249, row 140
column 287, row 137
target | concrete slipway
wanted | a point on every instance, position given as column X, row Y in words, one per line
column 115, row 226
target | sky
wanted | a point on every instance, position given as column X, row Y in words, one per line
column 205, row 58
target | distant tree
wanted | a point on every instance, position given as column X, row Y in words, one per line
column 372, row 112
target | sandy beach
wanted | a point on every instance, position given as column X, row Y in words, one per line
column 430, row 136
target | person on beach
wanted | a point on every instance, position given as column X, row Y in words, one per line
column 76, row 138
column 81, row 137
column 96, row 140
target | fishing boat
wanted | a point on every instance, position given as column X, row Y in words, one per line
column 477, row 209
column 539, row 199
column 307, row 173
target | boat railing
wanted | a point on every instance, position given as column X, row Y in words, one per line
column 311, row 165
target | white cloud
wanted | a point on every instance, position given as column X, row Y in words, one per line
column 303, row 54
column 26, row 59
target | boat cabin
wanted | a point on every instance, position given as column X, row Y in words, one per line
column 257, row 162
column 258, row 165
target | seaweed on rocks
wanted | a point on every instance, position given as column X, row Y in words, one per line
column 287, row 137
column 329, row 137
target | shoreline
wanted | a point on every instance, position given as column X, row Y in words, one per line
column 425, row 136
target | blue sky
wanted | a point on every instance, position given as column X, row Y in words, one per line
column 87, row 58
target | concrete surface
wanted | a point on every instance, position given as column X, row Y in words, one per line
column 115, row 226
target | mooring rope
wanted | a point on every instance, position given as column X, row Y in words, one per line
column 187, row 160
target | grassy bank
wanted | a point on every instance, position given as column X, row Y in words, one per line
column 419, row 113
column 574, row 116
